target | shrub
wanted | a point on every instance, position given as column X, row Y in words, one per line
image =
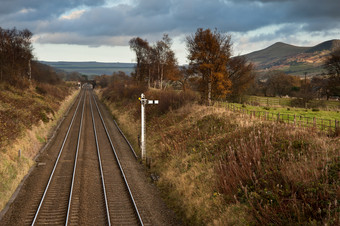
column 40, row 90
column 170, row 100
column 297, row 102
column 123, row 90
column 19, row 82
column 280, row 175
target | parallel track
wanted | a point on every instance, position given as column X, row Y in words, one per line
column 76, row 177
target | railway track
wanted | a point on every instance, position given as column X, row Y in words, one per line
column 87, row 184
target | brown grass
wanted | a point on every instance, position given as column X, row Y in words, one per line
column 217, row 168
column 30, row 140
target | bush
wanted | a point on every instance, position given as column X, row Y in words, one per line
column 170, row 100
column 317, row 104
column 19, row 82
column 297, row 103
column 40, row 90
column 58, row 92
column 281, row 176
column 123, row 90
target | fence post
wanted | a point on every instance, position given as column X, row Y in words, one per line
column 294, row 119
column 278, row 116
column 336, row 126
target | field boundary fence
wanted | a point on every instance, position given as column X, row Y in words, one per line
column 275, row 101
column 323, row 125
column 269, row 101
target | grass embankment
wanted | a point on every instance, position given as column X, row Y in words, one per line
column 26, row 118
column 219, row 168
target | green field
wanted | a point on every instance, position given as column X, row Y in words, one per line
column 328, row 115
column 328, row 121
column 276, row 101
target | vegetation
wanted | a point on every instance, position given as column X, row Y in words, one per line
column 15, row 55
column 311, row 113
column 92, row 68
column 33, row 98
column 293, row 60
column 26, row 119
column 327, row 105
column 209, row 54
column 211, row 71
column 216, row 167
column 332, row 65
column 154, row 63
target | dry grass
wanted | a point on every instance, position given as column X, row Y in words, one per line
column 217, row 168
column 12, row 167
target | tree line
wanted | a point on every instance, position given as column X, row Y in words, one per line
column 217, row 75
column 278, row 83
column 211, row 68
column 18, row 66
column 155, row 63
column 15, row 54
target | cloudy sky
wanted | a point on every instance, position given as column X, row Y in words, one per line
column 99, row 30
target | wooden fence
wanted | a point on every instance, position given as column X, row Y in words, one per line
column 325, row 125
column 275, row 101
column 269, row 101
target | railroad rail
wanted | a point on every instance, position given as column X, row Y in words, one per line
column 140, row 221
column 61, row 201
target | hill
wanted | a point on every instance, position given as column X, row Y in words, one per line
column 295, row 60
column 92, row 68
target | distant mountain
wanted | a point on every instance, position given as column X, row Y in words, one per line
column 292, row 59
column 91, row 68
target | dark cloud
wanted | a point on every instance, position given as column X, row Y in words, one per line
column 150, row 17
column 43, row 6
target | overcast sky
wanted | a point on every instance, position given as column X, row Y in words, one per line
column 99, row 30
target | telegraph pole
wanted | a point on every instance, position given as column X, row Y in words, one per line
column 143, row 103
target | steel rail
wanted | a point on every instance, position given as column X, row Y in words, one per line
column 121, row 132
column 75, row 163
column 56, row 163
column 100, row 166
column 120, row 166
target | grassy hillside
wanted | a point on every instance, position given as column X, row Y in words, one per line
column 276, row 51
column 26, row 118
column 219, row 168
column 293, row 60
column 92, row 68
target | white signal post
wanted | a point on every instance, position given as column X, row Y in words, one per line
column 143, row 103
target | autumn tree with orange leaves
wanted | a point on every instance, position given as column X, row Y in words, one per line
column 209, row 55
